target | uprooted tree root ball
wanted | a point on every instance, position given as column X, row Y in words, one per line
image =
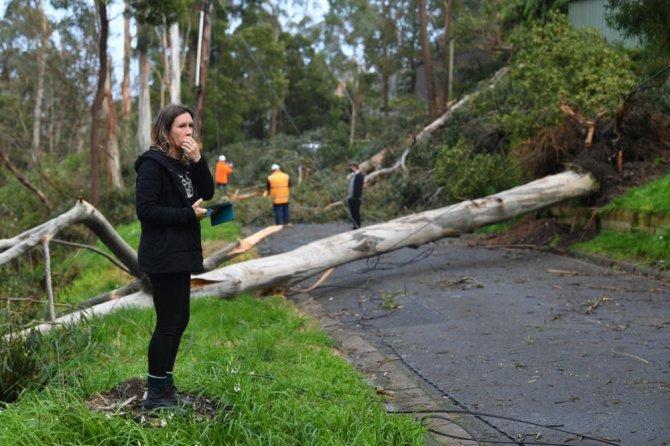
column 125, row 400
column 639, row 134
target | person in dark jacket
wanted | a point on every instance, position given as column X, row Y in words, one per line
column 172, row 181
column 355, row 194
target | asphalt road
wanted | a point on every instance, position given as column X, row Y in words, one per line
column 523, row 334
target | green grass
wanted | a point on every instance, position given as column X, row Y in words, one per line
column 278, row 375
column 653, row 197
column 636, row 246
column 97, row 275
column 652, row 250
column 496, row 228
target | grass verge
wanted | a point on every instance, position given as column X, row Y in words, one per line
column 653, row 197
column 639, row 247
column 275, row 373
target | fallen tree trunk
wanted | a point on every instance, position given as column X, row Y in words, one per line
column 84, row 213
column 413, row 230
column 228, row 252
column 375, row 162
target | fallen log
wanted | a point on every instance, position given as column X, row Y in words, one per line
column 413, row 230
column 84, row 213
column 291, row 267
column 375, row 162
column 228, row 252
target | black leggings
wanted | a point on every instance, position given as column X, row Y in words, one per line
column 171, row 300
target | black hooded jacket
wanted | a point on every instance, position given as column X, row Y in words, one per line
column 165, row 190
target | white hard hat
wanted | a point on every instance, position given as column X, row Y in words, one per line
column 222, row 158
column 275, row 166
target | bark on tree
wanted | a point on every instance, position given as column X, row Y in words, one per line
column 175, row 64
column 39, row 89
column 445, row 88
column 427, row 59
column 272, row 127
column 96, row 108
column 125, row 83
column 165, row 52
column 204, row 65
column 143, row 97
column 84, row 213
column 112, row 152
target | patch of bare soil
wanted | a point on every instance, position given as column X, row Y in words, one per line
column 125, row 400
column 529, row 232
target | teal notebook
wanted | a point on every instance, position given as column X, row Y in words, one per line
column 220, row 213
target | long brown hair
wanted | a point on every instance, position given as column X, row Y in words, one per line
column 160, row 133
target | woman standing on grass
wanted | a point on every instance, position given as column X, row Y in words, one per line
column 172, row 180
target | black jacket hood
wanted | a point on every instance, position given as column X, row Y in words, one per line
column 153, row 154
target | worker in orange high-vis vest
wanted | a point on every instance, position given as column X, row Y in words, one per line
column 279, row 188
column 222, row 172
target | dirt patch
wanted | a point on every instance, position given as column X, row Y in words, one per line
column 536, row 233
column 125, row 400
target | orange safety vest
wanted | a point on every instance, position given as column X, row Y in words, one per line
column 223, row 169
column 279, row 187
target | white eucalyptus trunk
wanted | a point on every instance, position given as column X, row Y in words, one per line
column 175, row 64
column 112, row 152
column 413, row 230
column 39, row 89
column 143, row 103
column 84, row 213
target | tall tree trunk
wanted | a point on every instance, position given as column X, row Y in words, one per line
column 39, row 89
column 143, row 98
column 192, row 58
column 165, row 52
column 113, row 156
column 204, row 65
column 386, row 63
column 272, row 128
column 175, row 64
column 427, row 60
column 125, row 84
column 445, row 85
column 96, row 109
column 352, row 127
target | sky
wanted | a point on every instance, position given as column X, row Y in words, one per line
column 313, row 8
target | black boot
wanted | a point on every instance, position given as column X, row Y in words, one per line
column 158, row 395
column 174, row 393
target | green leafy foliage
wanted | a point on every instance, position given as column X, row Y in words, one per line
column 465, row 174
column 555, row 62
column 645, row 19
column 527, row 11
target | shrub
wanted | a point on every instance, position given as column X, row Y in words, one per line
column 33, row 360
column 556, row 62
column 467, row 175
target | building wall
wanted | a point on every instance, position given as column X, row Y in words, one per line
column 591, row 13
